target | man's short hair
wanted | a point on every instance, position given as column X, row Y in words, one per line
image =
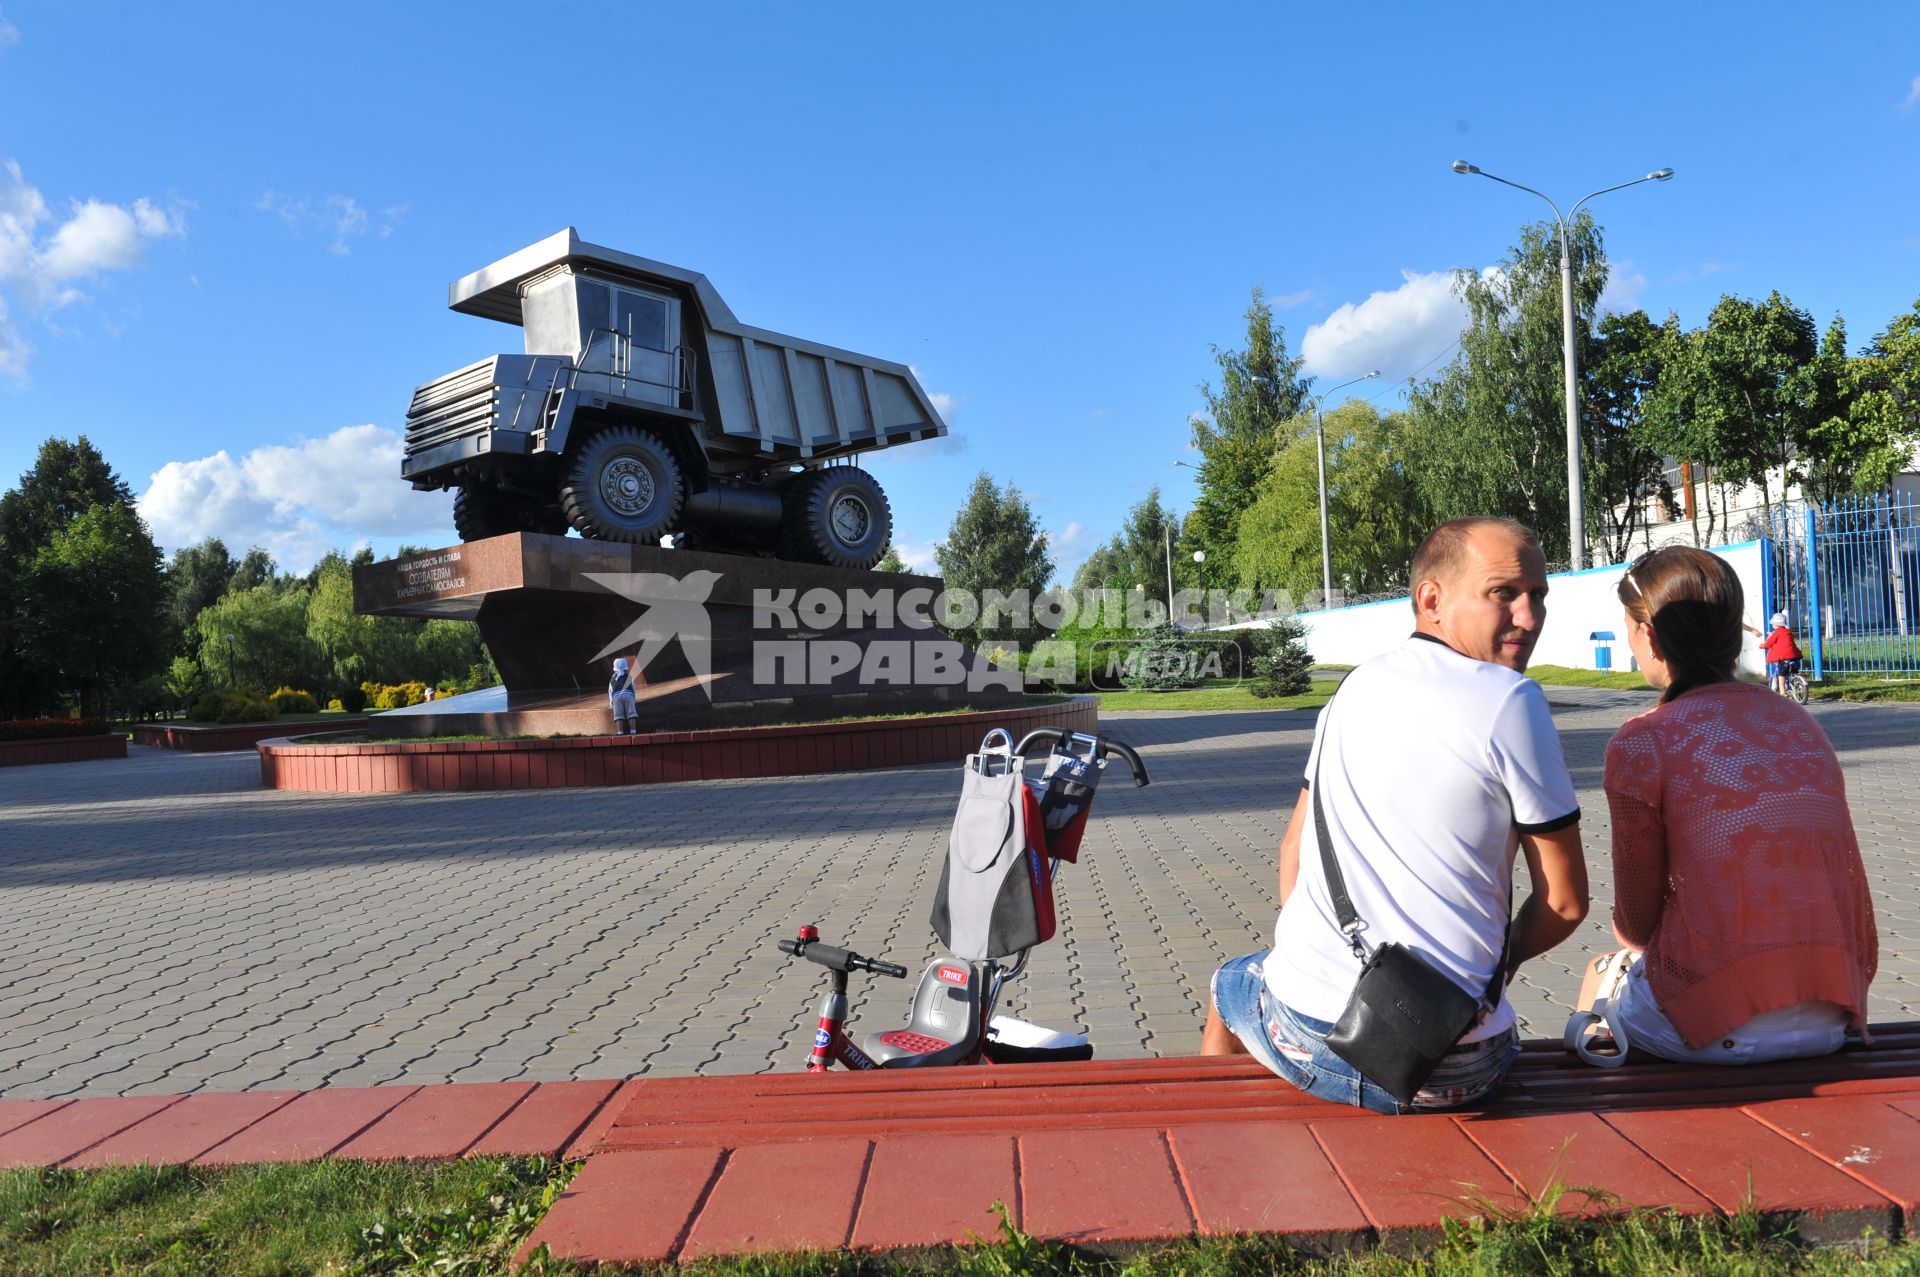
column 1443, row 551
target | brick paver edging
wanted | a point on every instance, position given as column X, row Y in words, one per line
column 218, row 739
column 376, row 1123
column 789, row 750
column 1113, row 1155
column 1104, row 1155
column 62, row 749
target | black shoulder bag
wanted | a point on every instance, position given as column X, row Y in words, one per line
column 1404, row 1014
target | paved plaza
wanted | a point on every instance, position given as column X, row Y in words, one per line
column 166, row 925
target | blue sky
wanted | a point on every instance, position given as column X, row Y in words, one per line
column 226, row 231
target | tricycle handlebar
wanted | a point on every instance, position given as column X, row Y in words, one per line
column 838, row 959
column 1101, row 745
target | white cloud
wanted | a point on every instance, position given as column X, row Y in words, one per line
column 42, row 270
column 14, row 350
column 297, row 500
column 916, row 555
column 342, row 218
column 1287, row 301
column 1390, row 331
column 1624, row 286
column 1069, row 534
column 9, row 34
column 1913, row 93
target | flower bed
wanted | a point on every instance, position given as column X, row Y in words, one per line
column 223, row 736
column 315, row 765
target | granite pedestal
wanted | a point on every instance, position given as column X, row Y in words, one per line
column 717, row 640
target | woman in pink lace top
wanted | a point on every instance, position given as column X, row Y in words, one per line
column 1739, row 891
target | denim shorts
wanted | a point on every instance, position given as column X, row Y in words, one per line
column 1294, row 1047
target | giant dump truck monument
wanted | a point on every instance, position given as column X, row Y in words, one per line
column 642, row 410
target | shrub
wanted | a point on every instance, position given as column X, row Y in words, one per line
column 394, row 695
column 351, row 699
column 47, row 728
column 1280, row 664
column 334, row 704
column 292, row 701
column 231, row 706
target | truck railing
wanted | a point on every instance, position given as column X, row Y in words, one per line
column 620, row 366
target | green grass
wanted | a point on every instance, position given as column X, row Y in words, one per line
column 264, row 1221
column 319, row 716
column 1563, row 676
column 469, row 1218
column 1220, row 694
column 1865, row 687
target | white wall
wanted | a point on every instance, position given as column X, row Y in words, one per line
column 1578, row 604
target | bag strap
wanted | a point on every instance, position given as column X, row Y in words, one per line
column 1351, row 923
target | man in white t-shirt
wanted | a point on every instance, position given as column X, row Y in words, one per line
column 1435, row 763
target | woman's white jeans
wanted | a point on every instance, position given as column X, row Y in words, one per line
column 1626, row 1008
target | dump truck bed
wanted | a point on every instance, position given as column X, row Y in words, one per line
column 764, row 390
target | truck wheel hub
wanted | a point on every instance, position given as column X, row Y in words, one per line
column 850, row 520
column 627, row 486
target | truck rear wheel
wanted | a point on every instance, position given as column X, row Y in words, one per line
column 624, row 485
column 838, row 516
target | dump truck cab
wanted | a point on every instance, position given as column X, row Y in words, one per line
column 641, row 408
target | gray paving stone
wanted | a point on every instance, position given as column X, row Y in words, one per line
column 167, row 925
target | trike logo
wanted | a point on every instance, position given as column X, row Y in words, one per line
column 953, row 975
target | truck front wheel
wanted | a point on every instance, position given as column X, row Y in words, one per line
column 479, row 513
column 838, row 516
column 624, row 485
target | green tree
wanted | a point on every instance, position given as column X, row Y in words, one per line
column 196, row 576
column 1623, row 469
column 350, row 648
column 256, row 567
column 1260, row 390
column 1880, row 429
column 890, row 561
column 94, row 608
column 1755, row 389
column 1490, row 429
column 1143, row 543
column 994, row 543
column 67, row 479
column 1374, row 510
column 444, row 651
column 257, row 638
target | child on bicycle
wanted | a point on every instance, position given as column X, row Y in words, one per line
column 1782, row 653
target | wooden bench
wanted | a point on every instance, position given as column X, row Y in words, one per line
column 1117, row 1153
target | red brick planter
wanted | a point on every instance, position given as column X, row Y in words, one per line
column 804, row 749
column 62, row 749
column 208, row 740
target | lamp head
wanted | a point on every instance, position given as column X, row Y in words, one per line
column 1660, row 175
column 1461, row 166
column 1374, row 373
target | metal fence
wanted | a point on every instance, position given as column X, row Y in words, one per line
column 1848, row 577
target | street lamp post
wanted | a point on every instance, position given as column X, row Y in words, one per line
column 1576, row 498
column 1320, row 444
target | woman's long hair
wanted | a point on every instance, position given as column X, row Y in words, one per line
column 1694, row 602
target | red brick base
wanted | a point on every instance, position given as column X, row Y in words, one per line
column 62, row 749
column 804, row 749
